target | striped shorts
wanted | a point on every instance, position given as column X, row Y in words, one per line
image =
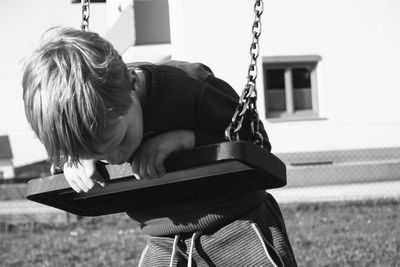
column 256, row 239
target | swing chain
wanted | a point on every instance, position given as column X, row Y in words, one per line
column 248, row 99
column 85, row 14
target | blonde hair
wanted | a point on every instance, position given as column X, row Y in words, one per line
column 73, row 83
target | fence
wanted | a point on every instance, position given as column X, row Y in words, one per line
column 12, row 191
column 342, row 166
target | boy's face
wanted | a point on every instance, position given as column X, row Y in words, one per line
column 121, row 136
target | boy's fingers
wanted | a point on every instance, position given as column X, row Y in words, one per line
column 71, row 177
column 143, row 166
column 102, row 182
column 81, row 177
column 159, row 163
column 137, row 176
column 81, row 184
column 151, row 170
column 97, row 178
column 92, row 175
column 160, row 169
column 55, row 170
column 135, row 168
column 74, row 186
column 88, row 183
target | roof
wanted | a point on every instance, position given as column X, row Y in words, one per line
column 5, row 147
column 33, row 170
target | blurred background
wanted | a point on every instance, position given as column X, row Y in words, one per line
column 328, row 87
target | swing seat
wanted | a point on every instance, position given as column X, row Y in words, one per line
column 202, row 172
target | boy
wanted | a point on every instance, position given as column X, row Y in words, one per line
column 85, row 105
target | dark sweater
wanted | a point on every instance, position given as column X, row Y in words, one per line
column 188, row 96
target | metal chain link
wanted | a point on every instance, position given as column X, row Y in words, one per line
column 85, row 14
column 248, row 99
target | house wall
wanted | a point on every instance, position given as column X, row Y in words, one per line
column 358, row 41
column 6, row 169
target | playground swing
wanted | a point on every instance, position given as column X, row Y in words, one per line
column 228, row 167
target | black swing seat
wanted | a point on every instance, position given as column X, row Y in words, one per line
column 202, row 172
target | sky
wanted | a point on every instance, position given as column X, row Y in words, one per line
column 22, row 23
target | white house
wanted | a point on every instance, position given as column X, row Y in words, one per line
column 6, row 158
column 327, row 85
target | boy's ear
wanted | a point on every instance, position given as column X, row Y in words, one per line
column 136, row 84
column 134, row 81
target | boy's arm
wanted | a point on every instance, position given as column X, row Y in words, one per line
column 148, row 160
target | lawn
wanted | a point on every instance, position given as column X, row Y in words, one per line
column 324, row 234
column 345, row 233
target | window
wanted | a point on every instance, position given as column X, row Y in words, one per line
column 290, row 85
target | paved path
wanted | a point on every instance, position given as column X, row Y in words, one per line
column 25, row 207
column 347, row 192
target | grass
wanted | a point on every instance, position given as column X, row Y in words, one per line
column 345, row 233
column 323, row 234
column 103, row 241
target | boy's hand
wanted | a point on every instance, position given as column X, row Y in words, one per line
column 82, row 176
column 148, row 161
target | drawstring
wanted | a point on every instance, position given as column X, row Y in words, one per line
column 194, row 236
column 264, row 242
column 143, row 255
column 176, row 239
column 175, row 244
